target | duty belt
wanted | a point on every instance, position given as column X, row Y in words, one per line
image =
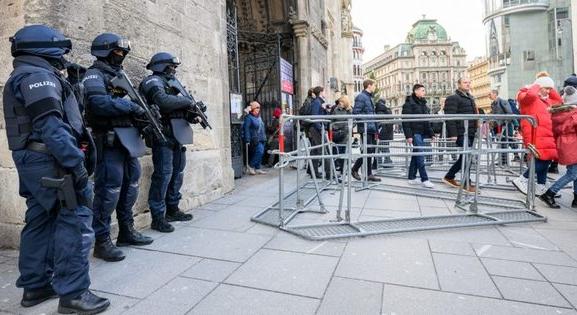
column 37, row 147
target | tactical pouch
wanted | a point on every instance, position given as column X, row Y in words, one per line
column 110, row 137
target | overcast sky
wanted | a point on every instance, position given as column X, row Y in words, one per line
column 388, row 22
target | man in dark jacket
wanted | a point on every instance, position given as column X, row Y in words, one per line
column 462, row 102
column 385, row 132
column 500, row 106
column 416, row 132
column 314, row 132
column 364, row 106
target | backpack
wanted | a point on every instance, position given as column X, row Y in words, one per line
column 306, row 110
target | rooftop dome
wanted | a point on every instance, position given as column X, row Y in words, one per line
column 427, row 30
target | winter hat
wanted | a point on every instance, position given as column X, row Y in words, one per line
column 277, row 113
column 570, row 96
column 545, row 82
column 571, row 81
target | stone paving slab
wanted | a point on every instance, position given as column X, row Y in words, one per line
column 262, row 229
column 398, row 205
column 404, row 300
column 211, row 270
column 564, row 239
column 233, row 300
column 348, row 296
column 569, row 292
column 10, row 296
column 558, row 274
column 289, row 242
column 482, row 235
column 525, row 254
column 451, row 247
column 176, row 297
column 530, row 291
column 390, row 260
column 526, row 238
column 464, row 274
column 287, row 272
column 512, row 269
column 141, row 273
column 235, row 218
column 215, row 244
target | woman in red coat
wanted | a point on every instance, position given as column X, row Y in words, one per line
column 565, row 130
column 535, row 100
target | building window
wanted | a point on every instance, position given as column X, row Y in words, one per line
column 529, row 55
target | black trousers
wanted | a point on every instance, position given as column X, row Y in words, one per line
column 359, row 162
column 457, row 166
column 315, row 139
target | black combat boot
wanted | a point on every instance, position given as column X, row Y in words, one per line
column 549, row 198
column 127, row 235
column 86, row 303
column 161, row 225
column 574, row 203
column 33, row 297
column 105, row 250
column 174, row 214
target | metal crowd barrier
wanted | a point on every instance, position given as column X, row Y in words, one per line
column 479, row 210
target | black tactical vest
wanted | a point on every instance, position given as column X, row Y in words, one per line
column 19, row 122
column 107, row 123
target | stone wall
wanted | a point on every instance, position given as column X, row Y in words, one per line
column 194, row 30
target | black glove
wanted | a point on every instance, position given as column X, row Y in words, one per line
column 84, row 193
column 137, row 110
column 201, row 106
column 80, row 176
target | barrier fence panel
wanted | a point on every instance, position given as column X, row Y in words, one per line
column 485, row 161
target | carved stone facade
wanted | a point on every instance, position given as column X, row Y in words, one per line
column 323, row 46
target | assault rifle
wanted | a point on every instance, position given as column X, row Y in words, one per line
column 197, row 109
column 153, row 117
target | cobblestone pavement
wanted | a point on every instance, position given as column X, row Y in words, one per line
column 222, row 263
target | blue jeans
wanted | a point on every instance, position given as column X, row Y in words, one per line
column 169, row 163
column 541, row 168
column 570, row 176
column 115, row 187
column 55, row 241
column 257, row 152
column 418, row 162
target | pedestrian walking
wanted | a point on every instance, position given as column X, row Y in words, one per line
column 253, row 133
column 385, row 134
column 364, row 106
column 462, row 102
column 564, row 120
column 416, row 132
column 341, row 132
column 535, row 100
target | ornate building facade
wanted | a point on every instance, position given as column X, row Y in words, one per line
column 358, row 51
column 428, row 56
column 480, row 83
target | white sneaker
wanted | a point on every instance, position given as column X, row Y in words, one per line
column 521, row 184
column 414, row 181
column 250, row 171
column 540, row 189
column 428, row 184
column 261, row 172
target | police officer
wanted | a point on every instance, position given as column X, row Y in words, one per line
column 118, row 144
column 47, row 136
column 169, row 158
